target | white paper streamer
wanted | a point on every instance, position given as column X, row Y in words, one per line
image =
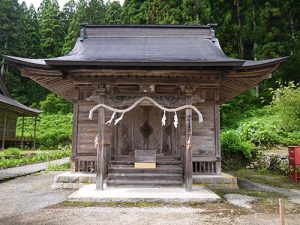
column 163, row 120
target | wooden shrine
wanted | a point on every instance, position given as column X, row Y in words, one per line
column 169, row 66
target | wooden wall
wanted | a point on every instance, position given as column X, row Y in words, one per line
column 11, row 123
column 87, row 129
column 204, row 139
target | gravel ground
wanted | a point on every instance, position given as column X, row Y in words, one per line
column 28, row 194
column 28, row 169
column 29, row 200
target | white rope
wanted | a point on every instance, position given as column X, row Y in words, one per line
column 123, row 111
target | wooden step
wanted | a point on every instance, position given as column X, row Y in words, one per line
column 144, row 177
column 126, row 170
column 147, row 183
column 158, row 162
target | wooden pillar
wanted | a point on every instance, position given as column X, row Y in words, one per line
column 4, row 130
column 22, row 135
column 34, row 134
column 74, row 137
column 217, row 138
column 100, row 148
column 188, row 148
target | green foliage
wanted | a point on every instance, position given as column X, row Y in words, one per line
column 11, row 151
column 235, row 150
column 113, row 14
column 31, row 159
column 286, row 104
column 51, row 29
column 53, row 130
column 55, row 104
column 240, row 108
column 262, row 131
column 59, row 167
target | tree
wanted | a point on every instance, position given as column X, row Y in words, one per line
column 113, row 14
column 51, row 29
column 67, row 14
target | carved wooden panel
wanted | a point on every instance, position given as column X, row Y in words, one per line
column 141, row 128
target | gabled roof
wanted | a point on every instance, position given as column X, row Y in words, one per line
column 16, row 106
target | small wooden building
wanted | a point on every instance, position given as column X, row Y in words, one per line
column 173, row 65
column 10, row 110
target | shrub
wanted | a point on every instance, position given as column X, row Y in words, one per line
column 262, row 131
column 11, row 151
column 55, row 104
column 236, row 152
column 286, row 104
column 53, row 130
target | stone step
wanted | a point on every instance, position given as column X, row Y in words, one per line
column 144, row 177
column 144, row 183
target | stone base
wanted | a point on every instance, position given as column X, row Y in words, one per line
column 77, row 180
column 166, row 194
column 218, row 181
column 70, row 180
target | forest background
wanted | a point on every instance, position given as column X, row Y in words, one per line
column 265, row 117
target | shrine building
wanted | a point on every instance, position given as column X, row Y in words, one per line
column 146, row 100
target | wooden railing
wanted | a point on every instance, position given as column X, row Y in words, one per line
column 86, row 164
column 204, row 168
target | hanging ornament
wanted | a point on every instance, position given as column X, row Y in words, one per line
column 111, row 118
column 117, row 120
column 175, row 120
column 96, row 142
column 163, row 120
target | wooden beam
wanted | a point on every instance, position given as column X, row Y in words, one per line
column 4, row 130
column 188, row 147
column 34, row 134
column 100, row 148
column 22, row 135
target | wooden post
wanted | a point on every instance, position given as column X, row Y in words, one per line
column 22, row 135
column 34, row 134
column 74, row 165
column 217, row 138
column 281, row 211
column 4, row 130
column 100, row 149
column 188, row 148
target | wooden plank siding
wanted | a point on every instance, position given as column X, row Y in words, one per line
column 87, row 129
column 203, row 141
column 11, row 123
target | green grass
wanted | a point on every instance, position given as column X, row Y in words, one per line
column 259, row 194
column 266, row 177
column 40, row 156
column 61, row 167
column 141, row 204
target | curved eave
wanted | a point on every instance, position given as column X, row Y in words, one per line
column 247, row 76
column 34, row 63
column 252, row 64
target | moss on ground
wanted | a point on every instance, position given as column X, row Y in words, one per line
column 266, row 177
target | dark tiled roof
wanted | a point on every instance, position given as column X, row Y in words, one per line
column 142, row 45
column 17, row 106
